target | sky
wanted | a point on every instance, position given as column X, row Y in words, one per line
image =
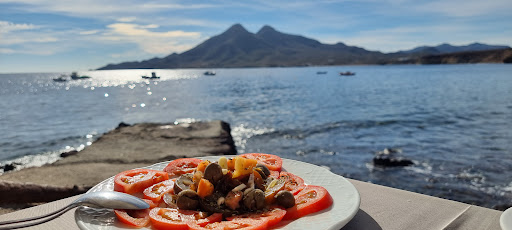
column 79, row 35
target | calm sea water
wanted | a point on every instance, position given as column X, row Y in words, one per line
column 453, row 121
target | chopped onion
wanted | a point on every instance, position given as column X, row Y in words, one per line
column 221, row 200
column 250, row 182
column 239, row 188
column 170, row 200
column 272, row 183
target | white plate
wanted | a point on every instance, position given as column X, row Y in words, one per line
column 506, row 219
column 345, row 195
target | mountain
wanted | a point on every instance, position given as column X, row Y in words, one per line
column 237, row 47
column 447, row 48
column 483, row 56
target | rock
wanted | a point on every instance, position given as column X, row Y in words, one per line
column 390, row 158
column 9, row 167
column 125, row 147
column 121, row 125
column 68, row 153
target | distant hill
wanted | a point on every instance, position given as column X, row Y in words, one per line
column 485, row 56
column 237, row 47
column 447, row 48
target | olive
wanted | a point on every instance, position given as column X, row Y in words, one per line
column 183, row 183
column 285, row 198
column 213, row 173
column 254, row 199
column 210, row 204
column 262, row 170
column 187, row 199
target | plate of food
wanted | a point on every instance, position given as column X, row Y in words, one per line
column 333, row 212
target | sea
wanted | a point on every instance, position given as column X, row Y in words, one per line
column 453, row 121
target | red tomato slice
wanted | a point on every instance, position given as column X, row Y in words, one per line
column 157, row 191
column 272, row 162
column 136, row 180
column 170, row 218
column 310, row 200
column 151, row 203
column 196, row 219
column 241, row 224
column 167, row 218
column 137, row 218
column 274, row 174
column 273, row 216
column 181, row 166
column 293, row 183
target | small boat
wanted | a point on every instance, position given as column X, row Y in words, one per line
column 209, row 73
column 321, row 72
column 74, row 76
column 153, row 76
column 348, row 73
column 61, row 78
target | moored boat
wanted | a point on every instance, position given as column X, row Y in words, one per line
column 61, row 78
column 153, row 76
column 347, row 73
column 209, row 73
column 74, row 76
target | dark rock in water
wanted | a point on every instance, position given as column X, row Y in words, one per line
column 122, row 124
column 390, row 158
column 9, row 167
column 68, row 153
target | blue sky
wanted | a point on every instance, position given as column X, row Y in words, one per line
column 63, row 35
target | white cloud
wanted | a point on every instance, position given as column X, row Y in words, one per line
column 151, row 41
column 7, row 51
column 14, row 39
column 141, row 30
column 89, row 32
column 6, row 26
column 101, row 8
column 126, row 19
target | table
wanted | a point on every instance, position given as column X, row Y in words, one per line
column 381, row 208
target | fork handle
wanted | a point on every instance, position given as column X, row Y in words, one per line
column 51, row 215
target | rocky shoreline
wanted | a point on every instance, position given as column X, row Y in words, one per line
column 125, row 147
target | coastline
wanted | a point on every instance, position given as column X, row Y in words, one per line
column 125, row 147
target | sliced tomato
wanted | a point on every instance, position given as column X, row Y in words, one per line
column 195, row 218
column 136, row 180
column 170, row 218
column 167, row 218
column 274, row 174
column 272, row 162
column 151, row 203
column 241, row 224
column 157, row 191
column 272, row 216
column 181, row 166
column 136, row 218
column 310, row 200
column 293, row 183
